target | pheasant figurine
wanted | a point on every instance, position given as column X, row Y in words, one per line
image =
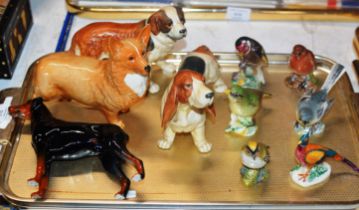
column 312, row 169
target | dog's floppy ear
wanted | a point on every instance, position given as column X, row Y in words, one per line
column 170, row 106
column 155, row 20
column 144, row 35
column 211, row 111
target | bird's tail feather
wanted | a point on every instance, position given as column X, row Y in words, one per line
column 351, row 164
column 335, row 74
column 336, row 156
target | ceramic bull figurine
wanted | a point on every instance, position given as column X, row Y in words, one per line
column 167, row 27
column 54, row 139
column 203, row 61
column 112, row 85
column 183, row 109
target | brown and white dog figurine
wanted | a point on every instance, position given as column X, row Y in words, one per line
column 183, row 109
column 203, row 61
column 167, row 26
column 111, row 85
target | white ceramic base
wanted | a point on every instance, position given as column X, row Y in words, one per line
column 311, row 180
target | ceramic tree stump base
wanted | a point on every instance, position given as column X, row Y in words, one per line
column 247, row 80
column 316, row 129
column 241, row 126
column 251, row 177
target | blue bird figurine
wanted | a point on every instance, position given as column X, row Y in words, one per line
column 313, row 105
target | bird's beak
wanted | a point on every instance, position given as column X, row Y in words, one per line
column 254, row 156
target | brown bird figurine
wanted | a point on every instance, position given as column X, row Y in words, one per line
column 302, row 62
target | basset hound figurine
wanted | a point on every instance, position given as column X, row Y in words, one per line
column 167, row 27
column 111, row 85
column 203, row 61
column 54, row 139
column 183, row 109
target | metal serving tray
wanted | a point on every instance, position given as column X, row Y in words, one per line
column 204, row 12
column 182, row 177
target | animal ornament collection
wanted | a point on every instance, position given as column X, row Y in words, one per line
column 117, row 58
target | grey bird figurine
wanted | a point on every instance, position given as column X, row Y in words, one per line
column 312, row 106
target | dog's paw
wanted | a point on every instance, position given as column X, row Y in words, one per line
column 154, row 88
column 119, row 196
column 131, row 194
column 204, row 148
column 137, row 178
column 37, row 195
column 120, row 124
column 32, row 182
column 163, row 144
column 167, row 68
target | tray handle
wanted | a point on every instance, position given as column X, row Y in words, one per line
column 351, row 96
column 8, row 132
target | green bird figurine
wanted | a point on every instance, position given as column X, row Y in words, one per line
column 244, row 103
column 255, row 157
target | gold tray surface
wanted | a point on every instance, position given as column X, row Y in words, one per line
column 184, row 176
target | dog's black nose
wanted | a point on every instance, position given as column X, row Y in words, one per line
column 210, row 95
column 148, row 68
column 183, row 31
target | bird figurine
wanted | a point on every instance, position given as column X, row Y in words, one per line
column 255, row 156
column 313, row 105
column 252, row 58
column 302, row 62
column 312, row 169
column 244, row 103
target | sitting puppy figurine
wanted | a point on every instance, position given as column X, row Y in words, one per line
column 167, row 27
column 111, row 85
column 182, row 109
column 55, row 139
column 204, row 62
